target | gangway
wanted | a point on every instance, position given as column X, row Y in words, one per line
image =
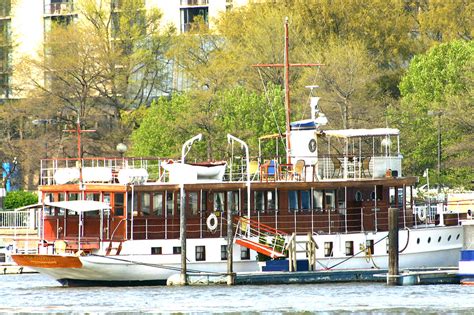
column 260, row 237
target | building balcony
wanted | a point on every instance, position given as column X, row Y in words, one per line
column 194, row 3
column 62, row 8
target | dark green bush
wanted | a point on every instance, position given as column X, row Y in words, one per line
column 19, row 198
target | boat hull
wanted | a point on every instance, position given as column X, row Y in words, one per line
column 419, row 248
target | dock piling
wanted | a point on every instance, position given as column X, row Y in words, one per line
column 230, row 260
column 392, row 277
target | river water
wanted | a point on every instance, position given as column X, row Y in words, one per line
column 35, row 293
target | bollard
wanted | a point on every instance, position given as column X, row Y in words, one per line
column 392, row 278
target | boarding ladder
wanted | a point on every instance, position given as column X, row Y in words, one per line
column 260, row 237
column 309, row 249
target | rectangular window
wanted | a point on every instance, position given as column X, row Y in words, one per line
column 330, row 199
column 156, row 251
column 305, row 199
column 203, row 201
column 75, row 196
column 176, row 250
column 219, row 201
column 193, row 202
column 244, row 253
column 119, row 202
column 158, row 204
column 293, row 200
column 233, row 201
column 349, row 248
column 200, row 253
column 328, row 249
column 258, row 200
column 271, row 200
column 145, row 203
column 223, row 252
column 170, row 203
column 317, row 200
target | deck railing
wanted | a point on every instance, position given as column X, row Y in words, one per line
column 25, row 219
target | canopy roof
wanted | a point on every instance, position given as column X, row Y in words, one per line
column 80, row 205
column 351, row 133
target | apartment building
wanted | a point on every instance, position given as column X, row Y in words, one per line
column 25, row 23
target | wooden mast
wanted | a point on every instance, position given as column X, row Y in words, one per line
column 286, row 65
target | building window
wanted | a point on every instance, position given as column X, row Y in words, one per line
column 176, row 250
column 328, row 249
column 190, row 15
column 349, row 248
column 244, row 253
column 223, row 252
column 200, row 253
column 156, row 250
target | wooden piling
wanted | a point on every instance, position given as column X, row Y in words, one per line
column 230, row 260
column 392, row 278
column 182, row 235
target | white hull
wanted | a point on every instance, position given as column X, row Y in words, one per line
column 420, row 249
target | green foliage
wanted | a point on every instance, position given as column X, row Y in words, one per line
column 17, row 199
column 437, row 89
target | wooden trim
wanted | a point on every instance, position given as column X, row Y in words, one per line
column 47, row 261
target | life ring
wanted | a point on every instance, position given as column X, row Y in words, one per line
column 212, row 222
column 422, row 214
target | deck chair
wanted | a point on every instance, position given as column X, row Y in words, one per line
column 253, row 169
column 337, row 166
column 268, row 170
column 366, row 166
column 298, row 169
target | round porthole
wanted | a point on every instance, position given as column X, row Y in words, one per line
column 439, row 239
column 429, row 240
column 418, row 240
column 457, row 237
column 449, row 238
column 312, row 145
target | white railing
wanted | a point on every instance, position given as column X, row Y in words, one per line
column 25, row 219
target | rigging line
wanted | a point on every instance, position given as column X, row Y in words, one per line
column 271, row 106
column 154, row 265
column 350, row 257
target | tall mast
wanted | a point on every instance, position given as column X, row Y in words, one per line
column 287, row 95
column 286, row 68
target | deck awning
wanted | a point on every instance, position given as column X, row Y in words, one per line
column 352, row 133
column 80, row 205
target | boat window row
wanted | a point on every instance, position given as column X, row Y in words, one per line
column 200, row 252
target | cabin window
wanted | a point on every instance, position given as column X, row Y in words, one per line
column 107, row 198
column 169, row 203
column 259, row 200
column 293, row 200
column 349, row 248
column 219, row 201
column 176, row 250
column 317, row 199
column 358, row 196
column 119, row 202
column 200, row 253
column 61, row 197
column 193, row 202
column 233, row 201
column 48, row 211
column 145, row 203
column 271, row 200
column 133, row 208
column 92, row 196
column 372, row 196
column 379, row 192
column 392, row 196
column 48, row 197
column 305, row 200
column 156, row 251
column 244, row 253
column 328, row 249
column 330, row 199
column 73, row 196
column 203, row 201
column 223, row 252
column 158, row 204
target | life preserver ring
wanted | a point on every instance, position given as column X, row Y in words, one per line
column 212, row 222
column 422, row 214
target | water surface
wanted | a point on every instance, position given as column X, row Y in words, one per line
column 35, row 293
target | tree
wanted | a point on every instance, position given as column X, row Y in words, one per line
column 439, row 81
column 20, row 198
